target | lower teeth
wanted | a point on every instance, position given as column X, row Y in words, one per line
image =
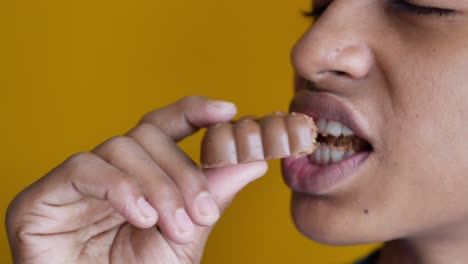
column 325, row 155
column 335, row 149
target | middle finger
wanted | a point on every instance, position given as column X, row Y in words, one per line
column 183, row 171
column 159, row 189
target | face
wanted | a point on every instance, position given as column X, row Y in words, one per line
column 396, row 74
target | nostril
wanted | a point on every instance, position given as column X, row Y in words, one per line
column 339, row 73
column 329, row 73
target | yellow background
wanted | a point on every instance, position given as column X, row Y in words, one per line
column 74, row 73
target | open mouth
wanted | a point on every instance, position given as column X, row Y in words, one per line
column 336, row 142
column 344, row 144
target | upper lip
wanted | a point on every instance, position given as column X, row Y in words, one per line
column 329, row 106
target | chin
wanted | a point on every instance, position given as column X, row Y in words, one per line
column 328, row 221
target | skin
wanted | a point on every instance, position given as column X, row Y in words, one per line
column 404, row 73
column 87, row 210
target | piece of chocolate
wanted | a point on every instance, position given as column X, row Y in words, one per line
column 219, row 146
column 301, row 141
column 248, row 135
column 271, row 137
column 275, row 136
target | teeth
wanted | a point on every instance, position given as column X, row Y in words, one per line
column 349, row 153
column 347, row 132
column 321, row 124
column 333, row 128
column 324, row 155
column 337, row 155
column 318, row 155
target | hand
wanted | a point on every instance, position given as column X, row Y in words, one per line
column 136, row 198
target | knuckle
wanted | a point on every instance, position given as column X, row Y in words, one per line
column 118, row 148
column 18, row 220
column 191, row 175
column 192, row 100
column 16, row 206
column 164, row 192
column 194, row 180
column 185, row 104
column 80, row 164
column 21, row 231
column 81, row 157
column 163, row 185
column 143, row 130
column 176, row 193
column 119, row 143
column 11, row 213
column 122, row 149
column 81, row 160
column 18, row 229
column 21, row 201
column 124, row 185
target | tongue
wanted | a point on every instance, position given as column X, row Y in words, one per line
column 345, row 142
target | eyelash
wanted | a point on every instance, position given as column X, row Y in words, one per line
column 420, row 10
column 400, row 5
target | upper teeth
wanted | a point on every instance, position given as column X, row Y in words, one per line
column 333, row 128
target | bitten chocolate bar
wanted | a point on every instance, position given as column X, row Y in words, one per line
column 250, row 139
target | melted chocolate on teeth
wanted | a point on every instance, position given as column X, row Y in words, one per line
column 343, row 142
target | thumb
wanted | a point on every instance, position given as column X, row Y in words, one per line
column 225, row 183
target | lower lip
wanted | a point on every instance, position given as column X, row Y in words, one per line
column 301, row 175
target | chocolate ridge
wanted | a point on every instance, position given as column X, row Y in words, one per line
column 248, row 139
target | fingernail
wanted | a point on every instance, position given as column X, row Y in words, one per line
column 145, row 208
column 223, row 107
column 207, row 208
column 183, row 221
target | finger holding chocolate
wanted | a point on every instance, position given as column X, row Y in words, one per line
column 251, row 139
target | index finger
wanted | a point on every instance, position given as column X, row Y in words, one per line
column 186, row 116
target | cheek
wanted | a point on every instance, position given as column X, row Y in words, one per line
column 427, row 111
column 431, row 122
column 424, row 163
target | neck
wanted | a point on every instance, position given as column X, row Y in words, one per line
column 425, row 251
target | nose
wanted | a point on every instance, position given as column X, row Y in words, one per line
column 334, row 46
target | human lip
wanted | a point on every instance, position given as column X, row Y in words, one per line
column 322, row 105
column 303, row 174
